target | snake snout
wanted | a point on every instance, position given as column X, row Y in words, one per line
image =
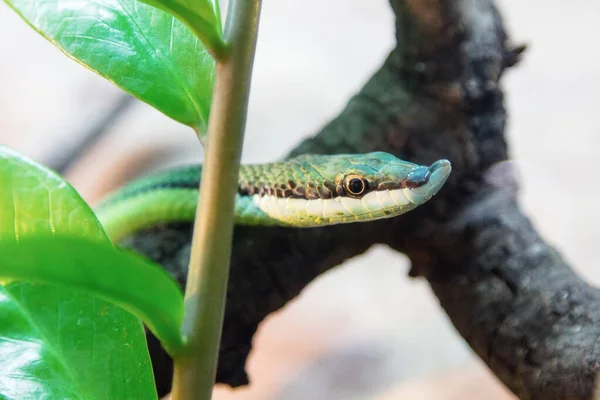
column 427, row 181
column 434, row 176
column 439, row 172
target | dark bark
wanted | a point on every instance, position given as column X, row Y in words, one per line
column 510, row 295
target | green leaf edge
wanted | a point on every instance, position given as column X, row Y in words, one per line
column 99, row 234
column 219, row 48
column 209, row 32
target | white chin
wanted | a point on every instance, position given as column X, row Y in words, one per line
column 377, row 204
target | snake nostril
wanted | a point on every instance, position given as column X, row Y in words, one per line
column 418, row 177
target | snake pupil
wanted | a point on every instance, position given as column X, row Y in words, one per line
column 356, row 186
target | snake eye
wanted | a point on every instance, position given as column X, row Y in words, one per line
column 355, row 186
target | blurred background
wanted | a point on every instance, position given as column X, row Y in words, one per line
column 363, row 330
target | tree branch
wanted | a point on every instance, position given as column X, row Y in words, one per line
column 509, row 294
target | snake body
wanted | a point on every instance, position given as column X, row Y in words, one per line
column 306, row 191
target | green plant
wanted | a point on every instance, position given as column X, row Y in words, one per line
column 64, row 331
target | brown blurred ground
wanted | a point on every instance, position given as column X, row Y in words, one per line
column 363, row 330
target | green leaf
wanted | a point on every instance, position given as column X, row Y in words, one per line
column 120, row 276
column 201, row 16
column 141, row 49
column 57, row 344
column 35, row 200
column 45, row 232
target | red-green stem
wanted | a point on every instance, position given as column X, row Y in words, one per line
column 205, row 294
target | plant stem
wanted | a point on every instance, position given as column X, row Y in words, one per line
column 205, row 294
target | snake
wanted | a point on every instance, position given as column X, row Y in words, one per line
column 306, row 191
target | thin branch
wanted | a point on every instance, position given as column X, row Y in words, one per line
column 205, row 292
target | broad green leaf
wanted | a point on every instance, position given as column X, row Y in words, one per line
column 58, row 344
column 35, row 200
column 52, row 338
column 141, row 49
column 120, row 276
column 45, row 231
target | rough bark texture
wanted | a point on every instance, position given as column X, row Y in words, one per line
column 510, row 295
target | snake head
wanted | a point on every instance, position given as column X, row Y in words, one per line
column 359, row 175
column 387, row 185
column 357, row 187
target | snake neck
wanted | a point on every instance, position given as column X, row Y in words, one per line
column 290, row 180
column 296, row 180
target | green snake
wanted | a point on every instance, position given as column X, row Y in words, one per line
column 305, row 191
